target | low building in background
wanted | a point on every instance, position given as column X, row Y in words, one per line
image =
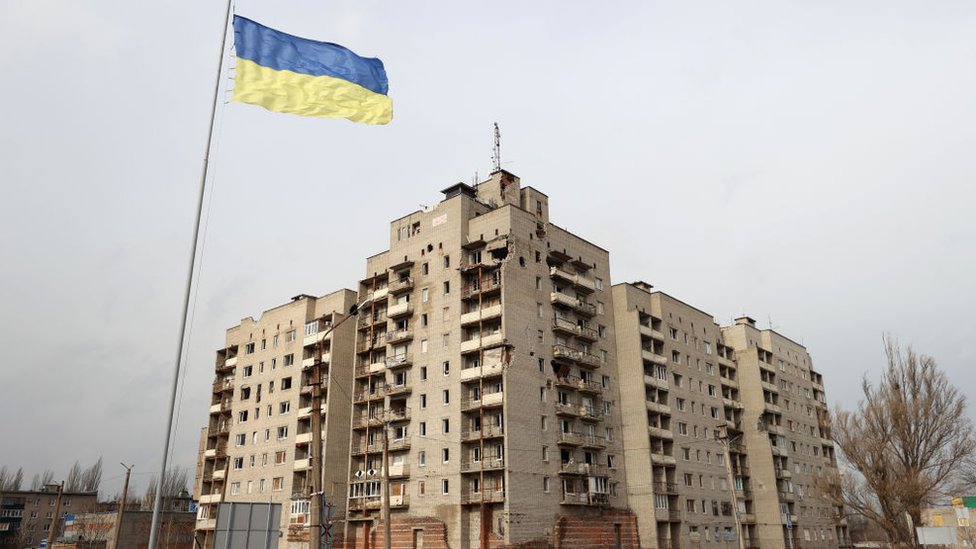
column 97, row 530
column 25, row 515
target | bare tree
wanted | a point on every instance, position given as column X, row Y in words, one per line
column 173, row 483
column 11, row 481
column 902, row 446
column 47, row 477
column 73, row 483
column 91, row 478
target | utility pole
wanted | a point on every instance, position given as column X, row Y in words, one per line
column 727, row 442
column 117, row 530
column 317, row 490
column 387, row 532
column 52, row 530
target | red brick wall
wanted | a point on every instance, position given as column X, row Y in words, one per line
column 401, row 534
column 589, row 533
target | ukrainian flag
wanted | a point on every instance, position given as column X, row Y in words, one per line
column 285, row 73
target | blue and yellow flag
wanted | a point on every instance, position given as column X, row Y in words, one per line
column 285, row 73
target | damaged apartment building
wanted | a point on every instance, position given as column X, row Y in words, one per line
column 519, row 399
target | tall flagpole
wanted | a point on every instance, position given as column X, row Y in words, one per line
column 157, row 504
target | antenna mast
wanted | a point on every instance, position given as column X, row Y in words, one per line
column 496, row 157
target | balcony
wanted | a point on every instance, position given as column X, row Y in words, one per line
column 658, row 432
column 653, row 357
column 310, row 361
column 399, row 309
column 581, row 307
column 398, row 336
column 656, row 382
column 209, row 498
column 359, row 448
column 667, row 515
column 396, row 390
column 651, row 333
column 485, row 370
column 370, row 320
column 219, row 474
column 365, row 344
column 589, row 386
column 788, row 497
column 734, row 404
column 484, row 496
column 486, row 286
column 564, row 325
column 583, row 469
column 772, row 408
column 401, row 285
column 220, row 386
column 567, row 409
column 586, row 359
column 579, row 282
column 399, row 444
column 593, row 442
column 662, row 487
column 772, row 388
column 301, row 464
column 473, row 317
column 365, row 396
column 490, row 463
column 565, row 352
column 584, row 498
column 487, row 400
column 399, row 470
column 662, row 459
column 658, row 407
column 303, row 438
column 396, row 361
column 491, row 340
column 488, row 431
column 590, row 413
column 378, row 294
column 570, row 439
column 206, row 523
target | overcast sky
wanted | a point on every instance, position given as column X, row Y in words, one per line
column 807, row 163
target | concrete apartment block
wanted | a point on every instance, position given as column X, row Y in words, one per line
column 257, row 446
column 521, row 401
column 487, row 349
column 786, row 431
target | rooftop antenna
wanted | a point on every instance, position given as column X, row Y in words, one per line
column 769, row 318
column 496, row 157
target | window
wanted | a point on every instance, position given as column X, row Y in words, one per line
column 248, row 371
column 242, row 416
column 290, row 335
column 311, row 328
column 245, row 393
column 545, row 484
column 598, row 282
column 235, row 488
column 240, row 440
column 445, row 455
column 445, row 487
column 538, row 283
column 280, row 457
column 423, row 401
column 445, row 426
column 446, row 396
column 422, row 458
column 425, row 269
column 677, row 379
column 447, row 262
column 289, row 360
column 686, row 454
column 278, row 484
column 282, row 432
column 708, row 347
column 423, row 343
column 676, row 357
column 446, row 367
column 285, row 383
column 712, row 390
column 274, row 341
column 284, row 407
column 238, row 463
column 447, row 287
column 423, row 373
column 545, row 423
column 602, row 330
column 611, row 461
column 682, row 428
column 423, row 428
column 673, row 333
column 249, row 349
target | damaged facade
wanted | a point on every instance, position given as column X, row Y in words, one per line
column 486, row 360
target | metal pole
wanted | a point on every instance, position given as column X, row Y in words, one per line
column 387, row 534
column 154, row 529
column 117, row 530
column 726, row 442
column 52, row 530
